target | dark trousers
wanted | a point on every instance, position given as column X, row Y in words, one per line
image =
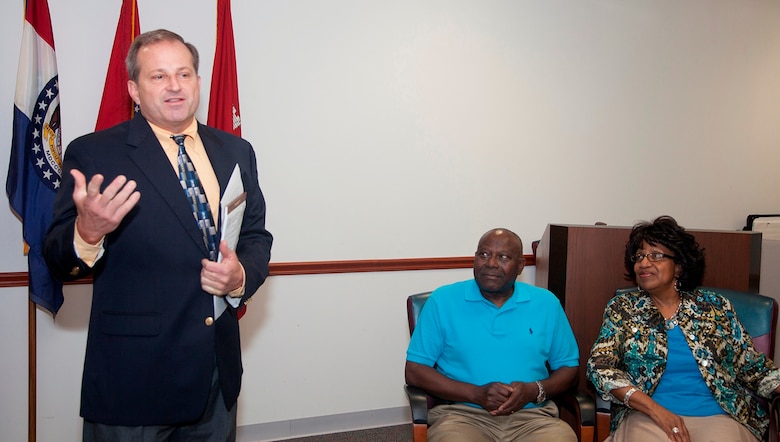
column 217, row 424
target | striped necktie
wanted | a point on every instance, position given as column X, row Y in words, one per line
column 197, row 198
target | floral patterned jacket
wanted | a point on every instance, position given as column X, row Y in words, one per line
column 632, row 347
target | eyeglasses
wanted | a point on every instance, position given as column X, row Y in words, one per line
column 652, row 257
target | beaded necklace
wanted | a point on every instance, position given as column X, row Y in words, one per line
column 672, row 322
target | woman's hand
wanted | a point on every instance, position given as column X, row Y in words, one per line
column 672, row 424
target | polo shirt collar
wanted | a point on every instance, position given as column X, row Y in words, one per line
column 517, row 297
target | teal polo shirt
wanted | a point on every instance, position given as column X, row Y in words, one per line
column 468, row 339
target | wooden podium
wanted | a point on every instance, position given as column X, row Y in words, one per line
column 583, row 266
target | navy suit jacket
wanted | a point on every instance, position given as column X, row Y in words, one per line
column 151, row 351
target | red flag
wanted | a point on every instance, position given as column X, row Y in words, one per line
column 224, row 111
column 35, row 169
column 117, row 106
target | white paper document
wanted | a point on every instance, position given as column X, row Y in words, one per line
column 232, row 206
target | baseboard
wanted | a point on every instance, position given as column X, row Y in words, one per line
column 312, row 426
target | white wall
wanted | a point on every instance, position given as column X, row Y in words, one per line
column 406, row 129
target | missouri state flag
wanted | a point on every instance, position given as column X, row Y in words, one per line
column 116, row 105
column 35, row 169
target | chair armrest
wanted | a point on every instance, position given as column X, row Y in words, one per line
column 774, row 417
column 579, row 404
column 418, row 401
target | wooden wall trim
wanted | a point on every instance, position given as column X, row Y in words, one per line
column 369, row 265
column 13, row 279
column 19, row 279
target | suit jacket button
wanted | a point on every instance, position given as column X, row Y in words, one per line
column 74, row 271
column 209, row 321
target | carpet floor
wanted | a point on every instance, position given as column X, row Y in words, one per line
column 397, row 433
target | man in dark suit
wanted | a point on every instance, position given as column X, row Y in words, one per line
column 163, row 356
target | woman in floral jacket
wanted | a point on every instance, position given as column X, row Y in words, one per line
column 675, row 360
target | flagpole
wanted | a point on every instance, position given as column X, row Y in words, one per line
column 31, row 370
column 34, row 171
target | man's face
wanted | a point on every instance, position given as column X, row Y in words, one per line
column 497, row 262
column 168, row 88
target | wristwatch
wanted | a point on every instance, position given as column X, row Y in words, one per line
column 542, row 396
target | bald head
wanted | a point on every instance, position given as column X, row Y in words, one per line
column 502, row 232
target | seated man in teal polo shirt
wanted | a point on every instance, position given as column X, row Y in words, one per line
column 486, row 344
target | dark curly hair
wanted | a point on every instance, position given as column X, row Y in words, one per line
column 665, row 231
